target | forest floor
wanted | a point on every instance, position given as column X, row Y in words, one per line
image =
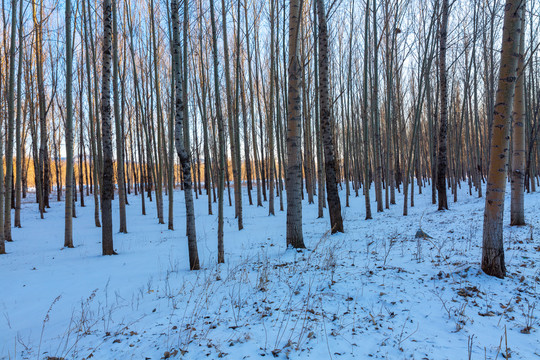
column 375, row 291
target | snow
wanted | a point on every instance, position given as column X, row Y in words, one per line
column 375, row 291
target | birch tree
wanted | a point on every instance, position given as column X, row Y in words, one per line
column 294, row 121
column 107, row 170
column 179, row 137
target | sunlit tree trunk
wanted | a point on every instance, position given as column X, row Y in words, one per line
column 517, row 211
column 492, row 246
column 18, row 141
column 81, row 144
column 10, row 124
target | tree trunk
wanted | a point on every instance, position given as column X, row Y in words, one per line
column 107, row 181
column 180, row 86
column 334, row 204
column 179, row 138
column 294, row 122
column 252, row 114
column 232, row 122
column 43, row 152
column 221, row 136
column 270, row 122
column 96, row 159
column 68, row 216
column 376, row 120
column 517, row 213
column 441, row 157
column 365, row 128
column 492, row 245
column 10, row 127
column 18, row 141
column 320, row 161
column 118, row 129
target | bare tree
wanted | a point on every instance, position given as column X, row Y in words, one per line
column 221, row 136
column 492, row 246
column 107, row 181
column 118, row 128
column 517, row 207
column 68, row 218
column 442, row 156
column 294, row 121
column 334, row 204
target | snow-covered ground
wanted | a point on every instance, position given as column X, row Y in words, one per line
column 373, row 292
